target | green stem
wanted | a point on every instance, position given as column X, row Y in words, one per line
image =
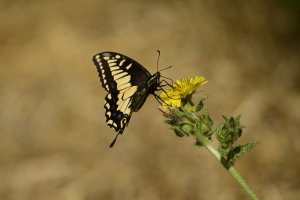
column 232, row 171
column 235, row 174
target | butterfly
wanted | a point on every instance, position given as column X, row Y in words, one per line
column 128, row 85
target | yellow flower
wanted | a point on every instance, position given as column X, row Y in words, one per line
column 181, row 90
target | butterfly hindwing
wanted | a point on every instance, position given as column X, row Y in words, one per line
column 126, row 81
column 115, row 118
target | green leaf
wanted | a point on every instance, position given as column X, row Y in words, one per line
column 238, row 151
column 228, row 133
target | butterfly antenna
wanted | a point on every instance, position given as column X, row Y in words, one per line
column 165, row 68
column 114, row 141
column 158, row 51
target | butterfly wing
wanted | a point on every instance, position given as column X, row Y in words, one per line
column 123, row 78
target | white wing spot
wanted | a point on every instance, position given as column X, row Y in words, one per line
column 108, row 113
column 122, row 61
column 116, row 72
column 122, row 80
column 112, row 64
column 120, row 75
column 128, row 67
column 110, row 61
column 106, row 58
column 120, row 87
column 128, row 93
column 123, row 106
column 118, row 56
column 114, row 68
column 123, row 122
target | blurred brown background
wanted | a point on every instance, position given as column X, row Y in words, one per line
column 53, row 136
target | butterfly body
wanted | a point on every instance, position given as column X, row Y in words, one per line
column 150, row 87
column 128, row 85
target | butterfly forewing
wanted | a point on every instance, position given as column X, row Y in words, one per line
column 126, row 81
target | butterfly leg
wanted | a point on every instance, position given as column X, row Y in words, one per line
column 168, row 79
column 166, row 83
column 161, row 89
column 161, row 101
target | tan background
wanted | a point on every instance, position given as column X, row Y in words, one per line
column 53, row 136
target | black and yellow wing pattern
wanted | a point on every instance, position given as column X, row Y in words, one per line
column 128, row 85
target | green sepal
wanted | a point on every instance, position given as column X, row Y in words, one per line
column 200, row 104
column 207, row 124
column 178, row 131
column 199, row 143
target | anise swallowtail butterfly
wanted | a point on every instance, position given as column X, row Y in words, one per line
column 128, row 85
